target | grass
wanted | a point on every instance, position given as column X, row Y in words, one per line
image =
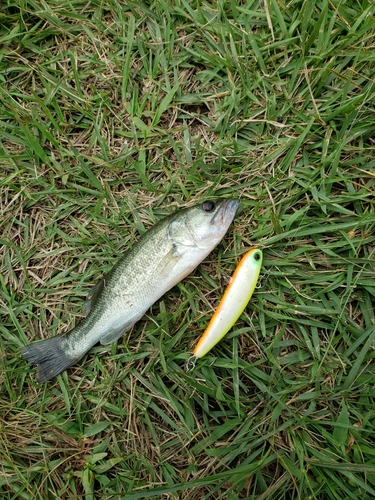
column 113, row 114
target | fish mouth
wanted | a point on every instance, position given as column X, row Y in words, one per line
column 226, row 213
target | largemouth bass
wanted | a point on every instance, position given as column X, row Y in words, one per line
column 161, row 258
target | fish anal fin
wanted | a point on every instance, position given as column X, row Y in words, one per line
column 116, row 332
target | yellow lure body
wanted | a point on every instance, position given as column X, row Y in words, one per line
column 235, row 298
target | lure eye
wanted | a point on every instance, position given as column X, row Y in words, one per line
column 208, row 206
column 257, row 256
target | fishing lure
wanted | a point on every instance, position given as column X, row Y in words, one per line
column 232, row 304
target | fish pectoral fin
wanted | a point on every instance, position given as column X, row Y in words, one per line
column 168, row 261
column 116, row 332
column 92, row 297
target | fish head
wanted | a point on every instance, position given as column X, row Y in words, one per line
column 204, row 225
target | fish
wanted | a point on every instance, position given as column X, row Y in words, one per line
column 236, row 296
column 161, row 258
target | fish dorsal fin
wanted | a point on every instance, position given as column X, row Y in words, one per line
column 92, row 297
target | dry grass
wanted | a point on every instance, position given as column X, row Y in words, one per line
column 112, row 115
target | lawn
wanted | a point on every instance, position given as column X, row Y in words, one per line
column 114, row 114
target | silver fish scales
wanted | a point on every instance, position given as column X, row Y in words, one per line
column 161, row 258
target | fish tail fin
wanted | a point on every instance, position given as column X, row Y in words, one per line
column 49, row 357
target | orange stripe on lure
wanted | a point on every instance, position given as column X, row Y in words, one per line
column 235, row 298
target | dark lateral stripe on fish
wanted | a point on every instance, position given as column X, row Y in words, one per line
column 162, row 257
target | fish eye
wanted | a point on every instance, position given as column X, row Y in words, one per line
column 208, row 206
